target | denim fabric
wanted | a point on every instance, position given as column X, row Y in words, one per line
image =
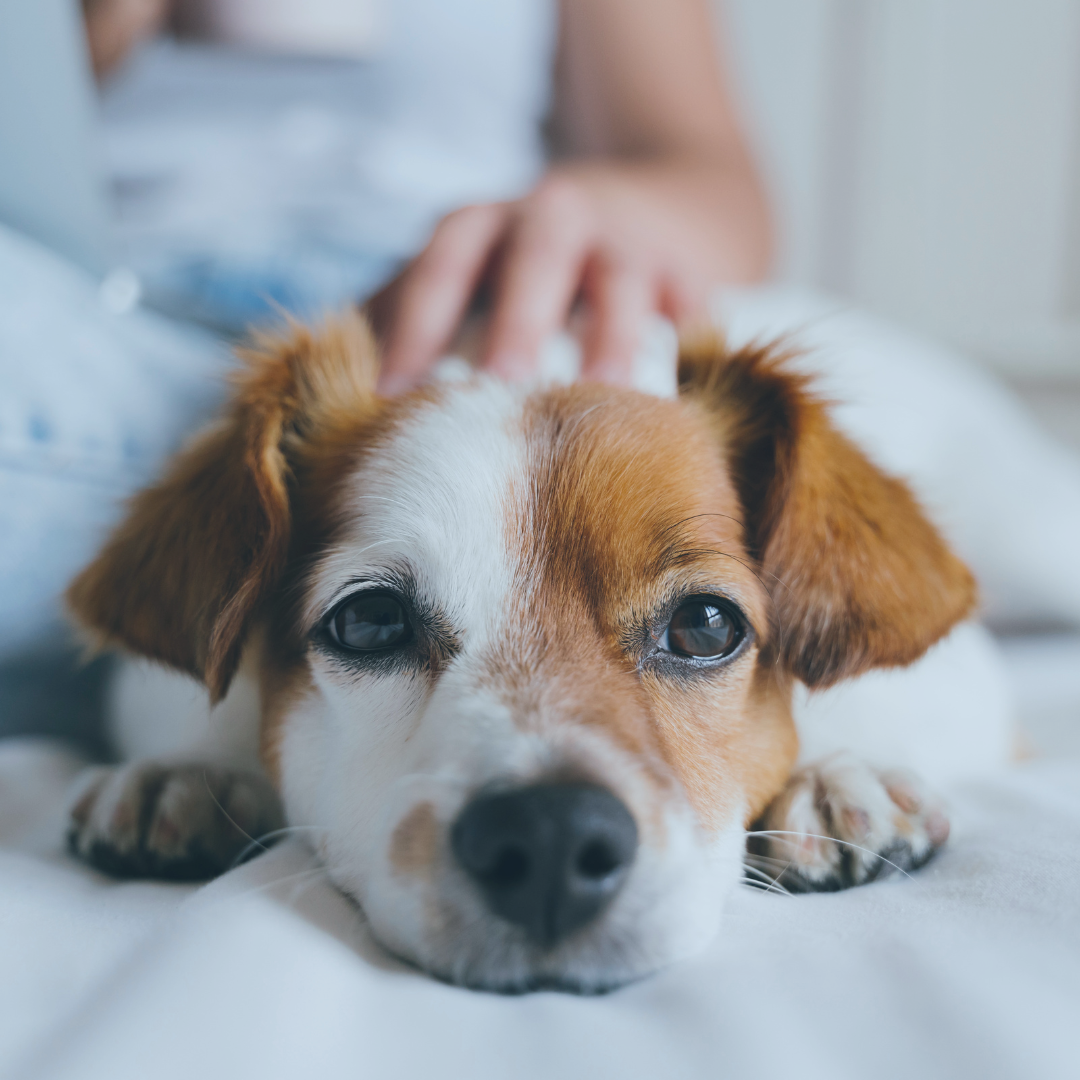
column 91, row 403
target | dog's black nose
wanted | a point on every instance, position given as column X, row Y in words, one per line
column 548, row 857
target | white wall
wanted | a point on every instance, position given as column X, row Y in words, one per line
column 925, row 160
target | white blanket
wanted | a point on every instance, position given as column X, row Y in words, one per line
column 971, row 968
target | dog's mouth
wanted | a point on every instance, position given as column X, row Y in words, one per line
column 595, row 985
column 540, row 984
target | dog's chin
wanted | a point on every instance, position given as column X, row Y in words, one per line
column 591, row 986
column 494, row 957
column 528, row 981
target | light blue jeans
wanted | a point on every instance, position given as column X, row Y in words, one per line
column 91, row 404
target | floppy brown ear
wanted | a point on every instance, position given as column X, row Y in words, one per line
column 183, row 574
column 858, row 576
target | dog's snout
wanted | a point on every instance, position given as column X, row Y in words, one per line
column 549, row 857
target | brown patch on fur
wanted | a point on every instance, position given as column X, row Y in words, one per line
column 628, row 507
column 184, row 574
column 415, row 843
column 859, row 578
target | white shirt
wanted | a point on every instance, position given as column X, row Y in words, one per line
column 242, row 175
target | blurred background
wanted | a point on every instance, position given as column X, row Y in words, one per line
column 924, row 159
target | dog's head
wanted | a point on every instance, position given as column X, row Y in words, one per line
column 526, row 655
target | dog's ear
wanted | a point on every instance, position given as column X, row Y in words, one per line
column 858, row 576
column 182, row 575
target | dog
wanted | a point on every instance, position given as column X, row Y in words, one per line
column 518, row 661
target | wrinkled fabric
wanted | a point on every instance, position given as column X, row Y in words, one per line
column 968, row 969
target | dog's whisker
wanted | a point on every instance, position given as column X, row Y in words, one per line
column 232, row 821
column 301, row 887
column 764, row 886
column 258, row 841
column 763, row 881
column 774, row 872
column 783, row 834
column 310, row 873
column 754, row 857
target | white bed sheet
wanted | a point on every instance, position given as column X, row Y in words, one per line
column 971, row 968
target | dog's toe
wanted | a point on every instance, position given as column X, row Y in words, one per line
column 840, row 822
column 181, row 822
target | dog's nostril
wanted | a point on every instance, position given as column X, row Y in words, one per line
column 547, row 858
column 597, row 860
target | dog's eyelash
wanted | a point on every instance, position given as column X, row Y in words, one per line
column 433, row 643
column 388, row 580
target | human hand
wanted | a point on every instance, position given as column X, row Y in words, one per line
column 616, row 242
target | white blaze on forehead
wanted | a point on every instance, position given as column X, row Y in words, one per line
column 436, row 495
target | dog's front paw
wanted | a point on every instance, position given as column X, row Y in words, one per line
column 181, row 822
column 840, row 823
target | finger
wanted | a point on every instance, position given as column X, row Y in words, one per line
column 540, row 276
column 434, row 293
column 684, row 301
column 381, row 307
column 621, row 298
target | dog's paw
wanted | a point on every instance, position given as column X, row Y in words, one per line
column 180, row 822
column 840, row 823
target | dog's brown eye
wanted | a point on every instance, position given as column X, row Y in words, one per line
column 705, row 628
column 370, row 622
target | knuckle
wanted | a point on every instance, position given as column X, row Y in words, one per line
column 461, row 218
column 562, row 201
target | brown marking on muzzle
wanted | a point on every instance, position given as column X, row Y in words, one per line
column 414, row 846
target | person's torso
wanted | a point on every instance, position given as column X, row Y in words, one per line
column 242, row 167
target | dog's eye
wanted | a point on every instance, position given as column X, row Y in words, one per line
column 705, row 628
column 369, row 622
